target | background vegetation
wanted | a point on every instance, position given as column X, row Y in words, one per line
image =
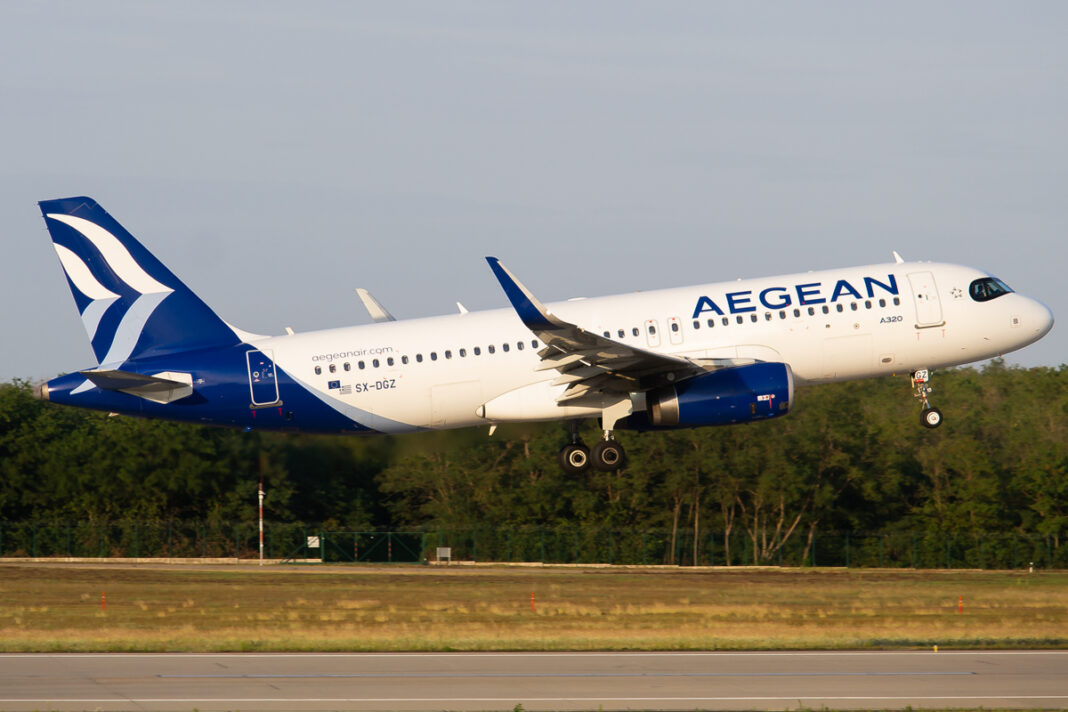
column 852, row 457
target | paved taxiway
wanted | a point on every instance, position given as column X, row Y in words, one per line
column 539, row 681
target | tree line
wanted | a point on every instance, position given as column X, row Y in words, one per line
column 852, row 457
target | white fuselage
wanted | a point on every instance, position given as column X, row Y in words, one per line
column 828, row 326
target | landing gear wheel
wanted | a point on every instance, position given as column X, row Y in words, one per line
column 575, row 458
column 931, row 417
column 607, row 456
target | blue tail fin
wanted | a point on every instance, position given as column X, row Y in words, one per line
column 131, row 305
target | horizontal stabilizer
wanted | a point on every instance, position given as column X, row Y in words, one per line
column 165, row 387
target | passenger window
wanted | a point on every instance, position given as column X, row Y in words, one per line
column 867, row 304
column 782, row 314
column 477, row 351
column 812, row 311
column 318, row 370
column 726, row 321
column 404, row 360
column 433, row 355
column 882, row 302
column 652, row 330
column 332, row 368
column 607, row 334
column 504, row 347
column 634, row 331
column 534, row 344
column 696, row 324
column 375, row 363
column 739, row 319
column 753, row 318
column 361, row 365
column 711, row 323
column 839, row 307
column 853, row 306
column 419, row 358
column 389, row 361
column 490, row 349
column 797, row 312
column 675, row 326
column 826, row 309
column 463, row 353
column 621, row 333
column 448, row 354
column 767, row 316
column 347, row 366
column 519, row 345
column 897, row 302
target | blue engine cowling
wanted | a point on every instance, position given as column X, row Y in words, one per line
column 731, row 395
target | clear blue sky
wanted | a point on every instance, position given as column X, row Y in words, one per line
column 277, row 155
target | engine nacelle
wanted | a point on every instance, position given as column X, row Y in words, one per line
column 730, row 395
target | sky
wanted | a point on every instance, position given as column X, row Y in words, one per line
column 277, row 155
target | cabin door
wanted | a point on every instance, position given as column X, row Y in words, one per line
column 262, row 381
column 925, row 294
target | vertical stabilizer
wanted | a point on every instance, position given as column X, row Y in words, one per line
column 132, row 306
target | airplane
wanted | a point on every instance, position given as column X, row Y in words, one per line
column 713, row 354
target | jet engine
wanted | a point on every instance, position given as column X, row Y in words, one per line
column 730, row 395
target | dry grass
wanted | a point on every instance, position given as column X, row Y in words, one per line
column 57, row 608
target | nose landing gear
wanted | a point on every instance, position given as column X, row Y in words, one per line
column 930, row 417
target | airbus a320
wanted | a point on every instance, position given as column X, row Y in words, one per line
column 713, row 354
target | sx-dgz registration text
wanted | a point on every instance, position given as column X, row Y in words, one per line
column 383, row 385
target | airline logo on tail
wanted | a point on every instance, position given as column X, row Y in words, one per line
column 118, row 278
column 132, row 306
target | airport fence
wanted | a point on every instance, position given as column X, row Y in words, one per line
column 579, row 545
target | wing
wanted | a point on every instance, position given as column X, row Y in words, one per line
column 594, row 367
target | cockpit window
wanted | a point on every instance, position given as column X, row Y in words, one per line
column 987, row 288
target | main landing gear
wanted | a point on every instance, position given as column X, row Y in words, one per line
column 930, row 417
column 607, row 455
column 575, row 456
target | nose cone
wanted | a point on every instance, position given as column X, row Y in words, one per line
column 1035, row 319
column 1042, row 319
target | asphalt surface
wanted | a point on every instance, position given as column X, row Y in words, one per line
column 538, row 681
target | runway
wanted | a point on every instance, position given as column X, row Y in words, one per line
column 538, row 681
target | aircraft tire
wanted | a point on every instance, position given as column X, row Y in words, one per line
column 931, row 417
column 607, row 456
column 575, row 458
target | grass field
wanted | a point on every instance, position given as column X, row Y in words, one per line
column 394, row 608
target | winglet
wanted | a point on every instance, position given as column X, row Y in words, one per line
column 897, row 258
column 532, row 312
column 378, row 312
